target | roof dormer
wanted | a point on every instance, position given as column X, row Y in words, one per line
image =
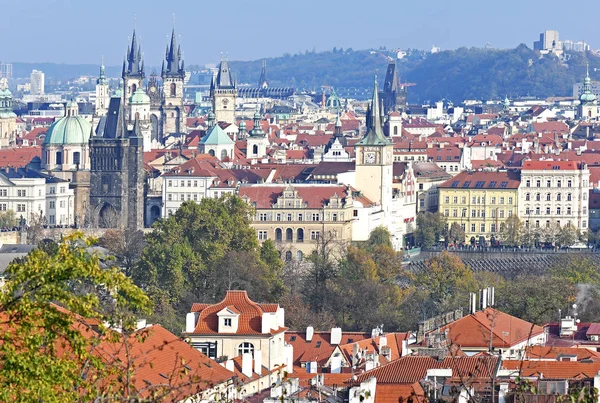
column 228, row 319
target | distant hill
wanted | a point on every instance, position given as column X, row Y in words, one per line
column 455, row 75
column 464, row 73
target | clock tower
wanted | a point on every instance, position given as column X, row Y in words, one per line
column 374, row 158
column 223, row 92
column 173, row 74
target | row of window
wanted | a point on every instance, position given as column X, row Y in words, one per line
column 538, row 197
column 559, row 211
column 478, row 200
column 537, row 223
column 494, row 213
column 559, row 182
column 61, row 204
column 186, row 196
column 182, row 183
column 302, row 216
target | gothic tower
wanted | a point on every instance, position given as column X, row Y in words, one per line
column 172, row 111
column 117, row 172
column 374, row 158
column 223, row 93
column 394, row 95
column 133, row 69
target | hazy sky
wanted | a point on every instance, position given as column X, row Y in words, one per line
column 80, row 31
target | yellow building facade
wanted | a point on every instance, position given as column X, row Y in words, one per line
column 480, row 202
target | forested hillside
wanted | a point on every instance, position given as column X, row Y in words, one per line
column 456, row 75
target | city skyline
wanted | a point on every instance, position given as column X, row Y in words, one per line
column 252, row 30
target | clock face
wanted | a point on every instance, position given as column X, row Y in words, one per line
column 152, row 89
column 370, row 158
column 225, row 101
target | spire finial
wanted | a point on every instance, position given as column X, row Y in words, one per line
column 587, row 69
column 173, row 20
column 102, row 58
column 134, row 22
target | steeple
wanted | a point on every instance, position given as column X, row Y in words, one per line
column 262, row 81
column 102, row 78
column 135, row 64
column 374, row 134
column 224, row 80
column 257, row 130
column 174, row 65
column 587, row 96
column 338, row 127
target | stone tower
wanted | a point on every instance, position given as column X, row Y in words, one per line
column 173, row 74
column 223, row 93
column 116, row 174
column 394, row 95
column 374, row 158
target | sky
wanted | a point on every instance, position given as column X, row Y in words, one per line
column 82, row 31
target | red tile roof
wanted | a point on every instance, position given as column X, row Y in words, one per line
column 554, row 369
column 550, row 127
column 410, row 369
column 553, row 353
column 315, row 196
column 319, row 349
column 399, row 393
column 475, row 330
column 19, row 157
column 550, row 165
column 158, row 358
column 483, row 180
column 249, row 321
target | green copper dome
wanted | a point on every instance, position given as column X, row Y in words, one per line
column 68, row 130
column 139, row 97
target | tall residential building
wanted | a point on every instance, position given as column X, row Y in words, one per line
column 480, row 202
column 554, row 193
column 37, row 79
column 6, row 70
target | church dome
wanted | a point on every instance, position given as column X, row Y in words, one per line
column 139, row 97
column 68, row 130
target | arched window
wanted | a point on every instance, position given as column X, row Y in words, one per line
column 527, row 197
column 223, row 154
column 211, row 153
column 133, row 88
column 569, row 197
column 395, row 130
column 558, row 197
column 246, row 348
column 288, row 256
column 59, row 158
column 300, row 235
column 278, row 234
column 173, row 90
column 537, row 197
column 299, row 255
column 289, row 235
column 255, row 149
column 547, row 196
column 76, row 158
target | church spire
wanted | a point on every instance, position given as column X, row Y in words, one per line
column 224, row 79
column 174, row 65
column 262, row 81
column 374, row 134
column 134, row 65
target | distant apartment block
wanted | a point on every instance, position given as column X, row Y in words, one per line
column 579, row 46
column 549, row 43
column 37, row 79
column 5, row 70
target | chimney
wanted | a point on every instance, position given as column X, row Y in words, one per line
column 258, row 362
column 247, row 364
column 336, row 335
column 492, row 296
column 382, row 342
column 190, row 322
column 229, row 365
column 484, row 296
column 310, row 331
column 405, row 350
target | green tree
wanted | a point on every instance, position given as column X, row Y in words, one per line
column 430, row 229
column 8, row 219
column 201, row 250
column 127, row 246
column 511, row 231
column 456, row 234
column 567, row 236
column 446, row 280
column 270, row 256
column 45, row 351
column 380, row 236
